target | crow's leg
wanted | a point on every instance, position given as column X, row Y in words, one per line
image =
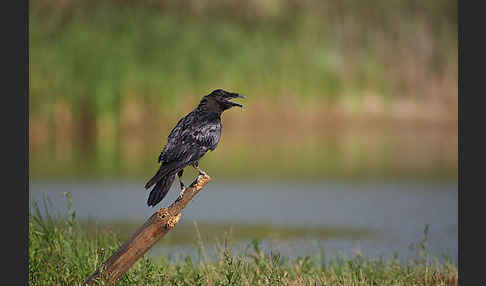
column 179, row 174
column 183, row 188
column 196, row 166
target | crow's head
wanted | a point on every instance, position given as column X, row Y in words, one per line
column 220, row 100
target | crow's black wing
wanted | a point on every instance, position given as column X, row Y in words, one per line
column 191, row 139
column 206, row 135
column 196, row 141
column 175, row 137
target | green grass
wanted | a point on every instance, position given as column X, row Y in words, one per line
column 62, row 252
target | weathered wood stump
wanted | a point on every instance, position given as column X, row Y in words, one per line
column 158, row 225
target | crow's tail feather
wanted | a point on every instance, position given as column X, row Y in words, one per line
column 161, row 188
column 163, row 170
column 163, row 180
column 154, row 179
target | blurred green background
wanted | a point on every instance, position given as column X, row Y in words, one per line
column 336, row 89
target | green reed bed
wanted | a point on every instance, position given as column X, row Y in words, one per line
column 93, row 54
column 61, row 252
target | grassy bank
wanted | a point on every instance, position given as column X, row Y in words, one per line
column 62, row 252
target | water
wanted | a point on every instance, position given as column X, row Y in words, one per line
column 396, row 213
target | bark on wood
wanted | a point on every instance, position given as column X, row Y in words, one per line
column 159, row 224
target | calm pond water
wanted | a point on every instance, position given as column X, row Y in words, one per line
column 396, row 213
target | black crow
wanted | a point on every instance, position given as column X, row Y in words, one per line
column 194, row 135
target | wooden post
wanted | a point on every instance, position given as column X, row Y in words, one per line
column 159, row 224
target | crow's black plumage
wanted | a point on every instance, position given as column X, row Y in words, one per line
column 194, row 135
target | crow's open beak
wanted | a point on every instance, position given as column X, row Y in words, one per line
column 236, row 95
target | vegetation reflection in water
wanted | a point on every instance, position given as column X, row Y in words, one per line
column 186, row 231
